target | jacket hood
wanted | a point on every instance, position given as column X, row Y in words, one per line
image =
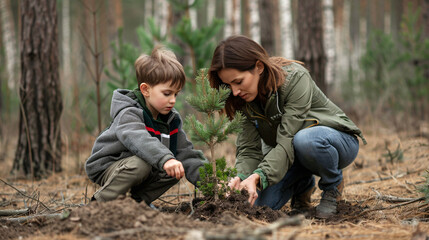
column 120, row 101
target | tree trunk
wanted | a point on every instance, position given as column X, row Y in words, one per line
column 268, row 15
column 310, row 40
column 66, row 41
column 425, row 12
column 220, row 13
column 395, row 18
column 245, row 18
column 9, row 40
column 286, row 26
column 232, row 16
column 329, row 39
column 255, row 31
column 39, row 145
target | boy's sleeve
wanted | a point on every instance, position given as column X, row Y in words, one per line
column 191, row 158
column 131, row 132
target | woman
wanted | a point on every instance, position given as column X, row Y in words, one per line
column 291, row 131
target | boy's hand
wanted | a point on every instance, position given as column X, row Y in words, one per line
column 174, row 168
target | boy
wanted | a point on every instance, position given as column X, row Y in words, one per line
column 145, row 149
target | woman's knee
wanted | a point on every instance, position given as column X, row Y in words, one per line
column 301, row 141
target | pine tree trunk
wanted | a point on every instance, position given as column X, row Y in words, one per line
column 310, row 40
column 220, row 13
column 9, row 39
column 39, row 145
column 395, row 18
column 245, row 18
column 269, row 24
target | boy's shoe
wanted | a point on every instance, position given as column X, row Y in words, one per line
column 329, row 202
column 302, row 202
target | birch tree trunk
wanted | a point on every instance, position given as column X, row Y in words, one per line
column 192, row 15
column 148, row 11
column 9, row 39
column 211, row 11
column 38, row 153
column 255, row 32
column 310, row 35
column 161, row 11
column 232, row 16
column 329, row 39
column 286, row 26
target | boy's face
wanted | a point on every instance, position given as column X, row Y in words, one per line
column 160, row 98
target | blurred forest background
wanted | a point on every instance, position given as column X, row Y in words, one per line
column 60, row 60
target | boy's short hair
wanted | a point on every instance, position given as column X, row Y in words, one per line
column 160, row 67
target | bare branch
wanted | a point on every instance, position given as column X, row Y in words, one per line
column 23, row 219
column 13, row 212
column 23, row 194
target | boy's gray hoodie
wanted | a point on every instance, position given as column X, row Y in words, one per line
column 127, row 136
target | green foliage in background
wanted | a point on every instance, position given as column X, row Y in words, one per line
column 123, row 75
column 395, row 75
column 213, row 130
column 199, row 41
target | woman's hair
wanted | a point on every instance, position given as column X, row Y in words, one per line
column 160, row 67
column 242, row 53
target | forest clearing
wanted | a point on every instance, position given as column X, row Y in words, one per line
column 380, row 202
column 359, row 68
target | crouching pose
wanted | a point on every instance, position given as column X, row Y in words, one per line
column 292, row 131
column 145, row 150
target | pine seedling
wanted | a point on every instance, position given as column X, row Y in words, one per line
column 213, row 130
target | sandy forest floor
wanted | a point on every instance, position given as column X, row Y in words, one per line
column 380, row 201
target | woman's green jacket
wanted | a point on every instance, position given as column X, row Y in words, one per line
column 297, row 104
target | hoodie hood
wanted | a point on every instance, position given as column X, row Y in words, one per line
column 121, row 99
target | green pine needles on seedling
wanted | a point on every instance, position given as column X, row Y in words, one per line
column 213, row 130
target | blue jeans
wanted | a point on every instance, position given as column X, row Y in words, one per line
column 319, row 150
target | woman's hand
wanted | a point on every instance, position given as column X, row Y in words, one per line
column 249, row 184
column 174, row 168
column 234, row 183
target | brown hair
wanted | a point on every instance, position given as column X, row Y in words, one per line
column 160, row 67
column 242, row 53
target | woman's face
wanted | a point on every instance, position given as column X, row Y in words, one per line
column 242, row 84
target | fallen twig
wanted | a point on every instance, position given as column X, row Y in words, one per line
column 203, row 234
column 386, row 208
column 23, row 219
column 23, row 194
column 13, row 212
column 392, row 199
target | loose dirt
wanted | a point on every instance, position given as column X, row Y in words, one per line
column 364, row 213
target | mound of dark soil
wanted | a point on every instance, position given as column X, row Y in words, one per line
column 226, row 211
column 101, row 218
